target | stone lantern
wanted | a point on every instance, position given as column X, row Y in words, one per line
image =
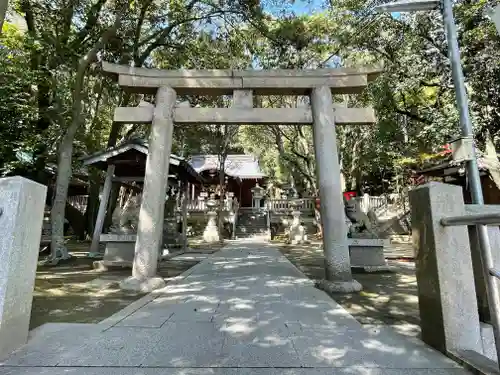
column 211, row 233
column 257, row 195
column 229, row 200
column 201, row 198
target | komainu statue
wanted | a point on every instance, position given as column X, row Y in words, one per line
column 362, row 225
column 126, row 219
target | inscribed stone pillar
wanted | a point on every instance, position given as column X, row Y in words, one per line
column 150, row 227
column 335, row 246
column 22, row 203
column 447, row 298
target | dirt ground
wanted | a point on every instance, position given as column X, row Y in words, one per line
column 388, row 298
column 76, row 293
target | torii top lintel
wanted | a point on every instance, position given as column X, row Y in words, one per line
column 224, row 82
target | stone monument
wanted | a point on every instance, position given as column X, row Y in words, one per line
column 21, row 214
column 211, row 233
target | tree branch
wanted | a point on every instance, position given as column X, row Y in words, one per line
column 140, row 22
column 92, row 18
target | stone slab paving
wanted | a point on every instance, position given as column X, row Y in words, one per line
column 244, row 310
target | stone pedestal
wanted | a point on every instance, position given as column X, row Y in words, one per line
column 172, row 239
column 337, row 263
column 22, row 204
column 368, row 254
column 120, row 251
column 150, row 229
column 211, row 233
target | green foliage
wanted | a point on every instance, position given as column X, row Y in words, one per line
column 17, row 107
column 413, row 97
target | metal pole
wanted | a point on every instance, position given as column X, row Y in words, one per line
column 495, row 16
column 472, row 168
column 472, row 219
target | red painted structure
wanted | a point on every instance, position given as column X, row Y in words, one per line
column 242, row 173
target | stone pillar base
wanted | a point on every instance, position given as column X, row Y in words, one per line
column 339, row 286
column 211, row 235
column 143, row 286
column 370, row 269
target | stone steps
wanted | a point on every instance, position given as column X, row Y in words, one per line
column 250, row 224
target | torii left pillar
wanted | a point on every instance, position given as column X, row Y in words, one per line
column 150, row 229
column 335, row 247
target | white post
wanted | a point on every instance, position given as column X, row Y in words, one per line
column 101, row 214
column 184, row 216
column 335, row 246
column 150, row 227
column 366, row 203
column 22, row 204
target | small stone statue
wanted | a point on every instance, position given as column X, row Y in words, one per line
column 297, row 232
column 125, row 220
column 362, row 225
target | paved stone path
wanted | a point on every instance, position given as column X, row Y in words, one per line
column 244, row 310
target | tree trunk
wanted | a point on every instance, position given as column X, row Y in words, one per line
column 76, row 221
column 112, row 141
column 113, row 200
column 354, row 167
column 220, row 221
column 3, row 9
column 93, row 201
column 59, row 251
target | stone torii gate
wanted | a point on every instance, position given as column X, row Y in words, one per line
column 319, row 84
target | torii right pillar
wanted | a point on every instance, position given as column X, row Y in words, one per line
column 338, row 275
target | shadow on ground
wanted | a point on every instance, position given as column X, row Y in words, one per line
column 76, row 293
column 245, row 309
column 387, row 298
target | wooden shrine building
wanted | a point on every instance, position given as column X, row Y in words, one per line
column 242, row 173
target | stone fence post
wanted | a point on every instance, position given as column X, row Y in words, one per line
column 446, row 293
column 22, row 204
